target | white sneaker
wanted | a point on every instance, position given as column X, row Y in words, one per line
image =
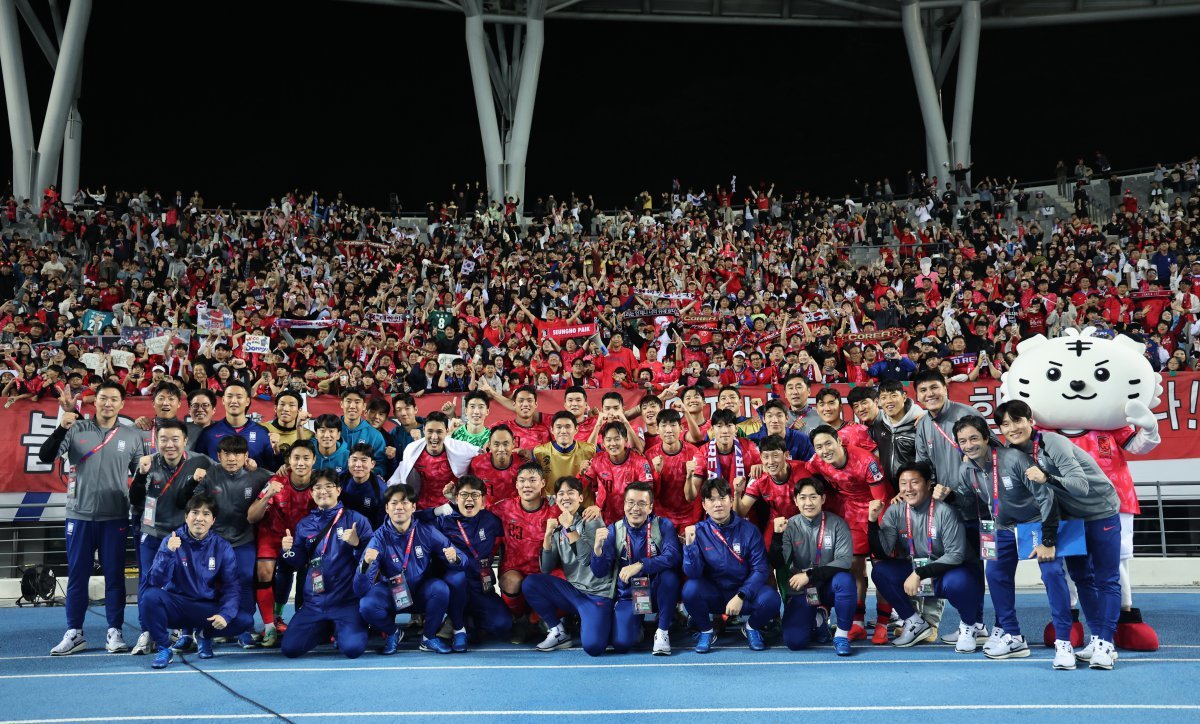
column 662, row 643
column 994, row 639
column 980, row 631
column 1064, row 655
column 143, row 646
column 1009, row 647
column 914, row 633
column 1103, row 656
column 966, row 643
column 1085, row 654
column 115, row 643
column 72, row 641
column 557, row 638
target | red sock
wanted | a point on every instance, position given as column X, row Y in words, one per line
column 860, row 611
column 883, row 609
column 516, row 604
column 266, row 604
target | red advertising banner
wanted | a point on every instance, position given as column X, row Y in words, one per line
column 27, row 425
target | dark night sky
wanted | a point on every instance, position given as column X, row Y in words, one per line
column 244, row 100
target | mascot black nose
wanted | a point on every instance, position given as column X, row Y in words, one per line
column 1078, row 385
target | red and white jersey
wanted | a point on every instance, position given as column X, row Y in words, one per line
column 524, row 531
column 435, row 473
column 857, row 483
column 853, row 434
column 500, row 484
column 726, row 464
column 609, row 480
column 527, row 438
column 1107, row 448
column 779, row 495
column 669, row 499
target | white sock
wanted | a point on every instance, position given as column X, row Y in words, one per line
column 460, row 630
column 663, row 631
column 841, row 633
column 914, row 619
column 558, row 630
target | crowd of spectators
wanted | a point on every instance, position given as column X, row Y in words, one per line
column 717, row 286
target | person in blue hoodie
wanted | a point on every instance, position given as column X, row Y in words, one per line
column 644, row 551
column 193, row 583
column 475, row 531
column 362, row 488
column 404, row 569
column 725, row 562
column 356, row 429
column 325, row 551
column 331, row 451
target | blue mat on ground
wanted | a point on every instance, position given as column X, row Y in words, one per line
column 927, row 683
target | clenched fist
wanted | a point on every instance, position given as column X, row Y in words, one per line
column 370, row 555
column 601, row 536
column 144, row 464
column 658, row 463
column 273, row 489
column 689, row 535
column 781, row 524
column 873, row 510
column 67, row 419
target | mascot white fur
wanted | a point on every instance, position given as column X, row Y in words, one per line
column 1099, row 392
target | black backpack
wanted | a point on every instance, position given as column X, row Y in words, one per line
column 37, row 586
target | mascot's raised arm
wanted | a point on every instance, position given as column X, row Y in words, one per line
column 1099, row 392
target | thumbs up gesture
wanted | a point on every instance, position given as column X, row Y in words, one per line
column 451, row 554
column 144, row 464
column 350, row 535
column 601, row 536
column 689, row 535
column 174, row 542
column 288, row 541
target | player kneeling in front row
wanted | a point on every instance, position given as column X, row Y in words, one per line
column 568, row 544
column 817, row 549
column 403, row 570
column 644, row 551
column 932, row 547
column 725, row 562
column 325, row 552
column 193, row 583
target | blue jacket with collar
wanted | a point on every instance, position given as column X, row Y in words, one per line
column 709, row 558
column 201, row 570
column 428, row 546
column 339, row 559
column 665, row 554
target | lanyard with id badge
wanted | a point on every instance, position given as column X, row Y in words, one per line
column 314, row 565
column 486, row 582
column 812, row 595
column 926, row 588
column 987, row 528
column 152, row 502
column 401, row 596
column 73, row 472
column 643, row 602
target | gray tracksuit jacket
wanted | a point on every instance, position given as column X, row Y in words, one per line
column 102, row 480
column 575, row 559
column 1081, row 488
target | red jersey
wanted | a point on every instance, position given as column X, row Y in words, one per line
column 585, row 429
column 857, row 483
column 527, row 438
column 853, row 434
column 500, row 484
column 524, row 531
column 669, row 499
column 609, row 480
column 1107, row 448
column 779, row 495
column 726, row 464
column 435, row 473
column 284, row 513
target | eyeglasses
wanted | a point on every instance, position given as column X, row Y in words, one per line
column 638, row 504
column 470, row 496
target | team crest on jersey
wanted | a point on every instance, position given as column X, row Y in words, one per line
column 366, row 502
column 121, row 445
column 419, row 551
column 873, row 468
column 482, row 534
column 248, row 492
column 1008, row 483
column 340, row 531
column 828, row 541
column 212, row 563
column 253, row 436
column 737, row 548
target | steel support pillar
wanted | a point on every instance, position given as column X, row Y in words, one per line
column 72, row 151
column 964, row 93
column 938, row 148
column 16, row 95
column 530, row 59
column 477, row 50
column 63, row 92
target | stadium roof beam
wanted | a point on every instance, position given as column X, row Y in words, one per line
column 505, row 84
column 35, row 166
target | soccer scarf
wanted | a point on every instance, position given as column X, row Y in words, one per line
column 714, row 465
